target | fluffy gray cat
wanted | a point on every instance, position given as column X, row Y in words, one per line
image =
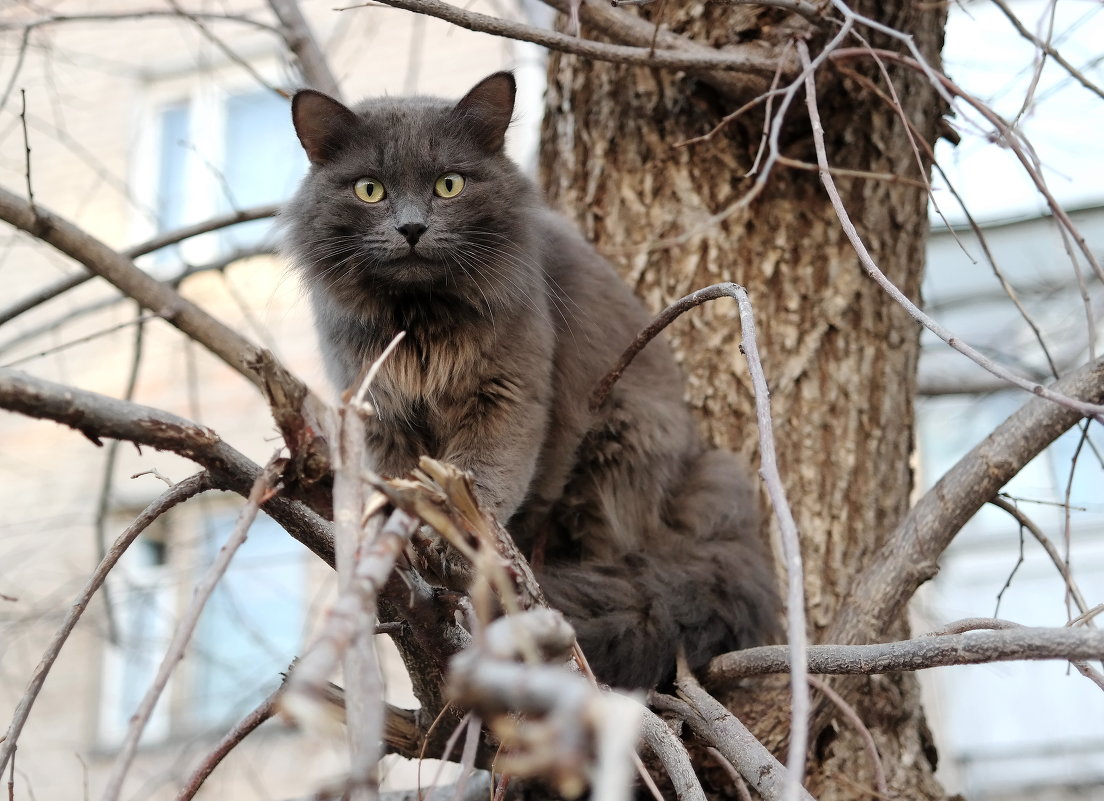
column 412, row 219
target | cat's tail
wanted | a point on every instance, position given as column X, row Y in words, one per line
column 631, row 616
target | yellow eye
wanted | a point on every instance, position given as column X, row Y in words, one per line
column 449, row 185
column 369, row 190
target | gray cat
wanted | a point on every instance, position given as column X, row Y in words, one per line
column 412, row 219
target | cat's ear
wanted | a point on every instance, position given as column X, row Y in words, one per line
column 488, row 107
column 321, row 122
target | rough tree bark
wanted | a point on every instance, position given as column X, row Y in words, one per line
column 840, row 356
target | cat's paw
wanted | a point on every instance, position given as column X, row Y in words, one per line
column 441, row 563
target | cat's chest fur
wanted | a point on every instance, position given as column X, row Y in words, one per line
column 428, row 368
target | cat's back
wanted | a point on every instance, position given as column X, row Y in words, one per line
column 596, row 313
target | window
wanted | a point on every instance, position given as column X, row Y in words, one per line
column 250, row 629
column 212, row 152
column 140, row 592
column 252, row 625
column 1012, row 730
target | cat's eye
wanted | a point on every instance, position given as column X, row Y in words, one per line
column 370, row 190
column 449, row 185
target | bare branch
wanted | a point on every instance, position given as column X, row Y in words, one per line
column 175, row 495
column 246, row 726
column 294, row 407
column 138, row 14
column 96, row 416
column 811, row 11
column 970, row 648
column 57, row 232
column 1048, row 546
column 26, row 145
column 1010, row 136
column 51, row 324
column 860, row 728
column 366, row 554
column 262, row 489
column 1046, row 48
column 657, row 735
column 872, row 269
column 663, row 319
column 910, row 553
column 300, row 41
column 976, row 623
column 795, row 601
column 791, row 549
column 702, row 58
column 625, row 28
column 724, row 731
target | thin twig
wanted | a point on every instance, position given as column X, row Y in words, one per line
column 246, row 726
column 791, row 549
column 301, row 42
column 1047, row 49
column 177, row 494
column 844, row 172
column 1051, row 551
column 66, row 237
column 262, row 489
column 860, row 728
column 51, row 324
column 26, row 145
column 872, row 269
column 226, row 49
column 732, row 116
column 1012, row 138
column 663, row 319
column 810, row 11
column 156, row 243
column 738, row 783
column 103, row 502
column 138, row 321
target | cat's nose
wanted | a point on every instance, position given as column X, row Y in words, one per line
column 412, row 231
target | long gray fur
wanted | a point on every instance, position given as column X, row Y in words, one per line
column 645, row 538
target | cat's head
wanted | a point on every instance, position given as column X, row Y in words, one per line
column 407, row 195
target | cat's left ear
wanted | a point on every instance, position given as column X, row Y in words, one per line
column 488, row 107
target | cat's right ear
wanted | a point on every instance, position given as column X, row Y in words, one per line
column 320, row 122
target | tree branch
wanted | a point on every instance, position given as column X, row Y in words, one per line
column 300, row 41
column 263, row 487
column 921, row 653
column 296, row 410
column 62, row 235
column 96, row 416
column 632, row 29
column 695, row 57
column 246, row 726
column 872, row 269
column 177, row 494
column 724, row 731
column 910, row 554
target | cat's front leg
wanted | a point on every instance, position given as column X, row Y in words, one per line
column 497, row 436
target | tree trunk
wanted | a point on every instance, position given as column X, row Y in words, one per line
column 840, row 356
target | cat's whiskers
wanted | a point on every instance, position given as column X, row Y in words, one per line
column 459, row 256
column 504, row 273
column 575, row 309
column 512, row 287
